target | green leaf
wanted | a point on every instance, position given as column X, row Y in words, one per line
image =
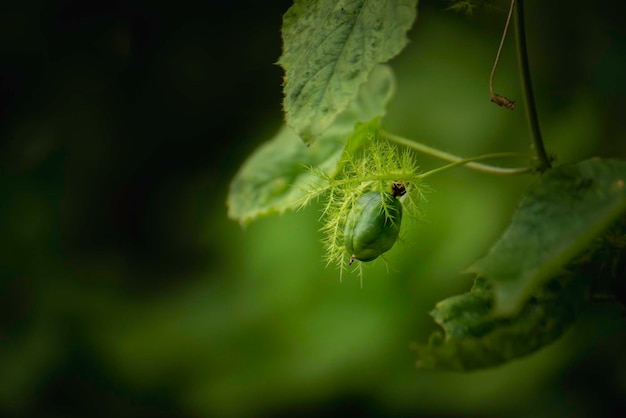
column 274, row 177
column 329, row 49
column 567, row 235
column 557, row 218
column 476, row 339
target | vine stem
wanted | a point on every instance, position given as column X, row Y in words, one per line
column 456, row 160
column 468, row 161
column 527, row 87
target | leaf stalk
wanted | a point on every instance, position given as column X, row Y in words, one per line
column 456, row 160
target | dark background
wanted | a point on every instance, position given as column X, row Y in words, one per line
column 126, row 291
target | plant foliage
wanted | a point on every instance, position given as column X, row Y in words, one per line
column 536, row 278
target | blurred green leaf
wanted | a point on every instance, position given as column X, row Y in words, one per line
column 528, row 290
column 557, row 218
column 273, row 178
column 329, row 49
column 475, row 338
column 469, row 6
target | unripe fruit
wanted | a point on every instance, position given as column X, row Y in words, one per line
column 369, row 230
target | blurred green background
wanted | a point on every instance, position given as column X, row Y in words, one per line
column 126, row 292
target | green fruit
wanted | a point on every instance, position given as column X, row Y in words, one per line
column 369, row 230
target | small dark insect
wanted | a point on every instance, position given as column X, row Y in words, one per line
column 503, row 101
column 398, row 189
